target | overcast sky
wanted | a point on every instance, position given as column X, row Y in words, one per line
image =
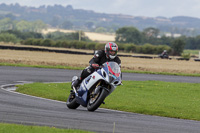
column 148, row 8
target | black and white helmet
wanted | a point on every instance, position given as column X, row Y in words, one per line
column 111, row 50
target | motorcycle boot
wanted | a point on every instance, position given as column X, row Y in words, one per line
column 76, row 83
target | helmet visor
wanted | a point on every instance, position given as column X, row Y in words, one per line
column 113, row 53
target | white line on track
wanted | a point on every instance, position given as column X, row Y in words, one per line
column 4, row 87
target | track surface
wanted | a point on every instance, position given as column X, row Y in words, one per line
column 18, row 108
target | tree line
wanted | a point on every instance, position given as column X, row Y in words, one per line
column 22, row 25
column 145, row 49
column 151, row 35
column 129, row 39
column 71, row 40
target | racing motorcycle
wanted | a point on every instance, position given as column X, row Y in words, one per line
column 96, row 87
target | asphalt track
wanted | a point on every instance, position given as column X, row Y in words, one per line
column 23, row 109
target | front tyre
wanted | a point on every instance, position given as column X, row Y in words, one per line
column 96, row 101
column 71, row 101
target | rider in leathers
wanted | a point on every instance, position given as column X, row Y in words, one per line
column 100, row 57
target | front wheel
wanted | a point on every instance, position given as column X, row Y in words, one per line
column 97, row 100
column 71, row 101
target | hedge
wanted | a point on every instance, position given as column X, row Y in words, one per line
column 128, row 47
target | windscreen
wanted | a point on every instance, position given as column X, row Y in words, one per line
column 114, row 68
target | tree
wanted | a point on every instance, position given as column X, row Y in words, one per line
column 128, row 35
column 90, row 25
column 66, row 25
column 67, row 36
column 100, row 30
column 197, row 43
column 55, row 21
column 24, row 35
column 11, row 16
column 23, row 26
column 79, row 35
column 6, row 24
column 151, row 36
column 48, row 42
column 6, row 37
column 151, row 32
column 38, row 26
column 166, row 40
column 178, row 46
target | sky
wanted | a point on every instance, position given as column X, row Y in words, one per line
column 146, row 8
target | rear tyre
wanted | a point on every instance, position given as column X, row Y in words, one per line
column 96, row 101
column 71, row 101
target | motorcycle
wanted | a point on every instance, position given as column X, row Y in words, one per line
column 96, row 87
column 163, row 56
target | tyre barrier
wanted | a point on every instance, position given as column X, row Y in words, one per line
column 182, row 59
column 44, row 50
column 74, row 52
column 196, row 59
column 61, row 51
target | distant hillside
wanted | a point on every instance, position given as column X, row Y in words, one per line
column 68, row 18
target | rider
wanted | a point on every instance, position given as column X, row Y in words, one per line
column 164, row 54
column 100, row 57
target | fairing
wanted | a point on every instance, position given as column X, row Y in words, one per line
column 109, row 72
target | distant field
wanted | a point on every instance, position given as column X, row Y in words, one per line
column 192, row 52
column 93, row 36
column 128, row 63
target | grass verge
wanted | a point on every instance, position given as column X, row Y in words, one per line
column 168, row 99
column 42, row 66
column 16, row 128
column 81, row 68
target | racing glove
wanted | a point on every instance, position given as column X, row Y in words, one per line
column 95, row 66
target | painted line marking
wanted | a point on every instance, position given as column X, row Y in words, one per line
column 3, row 87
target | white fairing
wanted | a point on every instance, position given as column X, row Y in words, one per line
column 89, row 81
column 94, row 78
column 96, row 87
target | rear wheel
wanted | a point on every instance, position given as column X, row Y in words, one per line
column 96, row 100
column 71, row 101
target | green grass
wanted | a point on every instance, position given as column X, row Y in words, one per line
column 192, row 52
column 55, row 91
column 168, row 99
column 81, row 68
column 163, row 73
column 15, row 128
column 41, row 66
